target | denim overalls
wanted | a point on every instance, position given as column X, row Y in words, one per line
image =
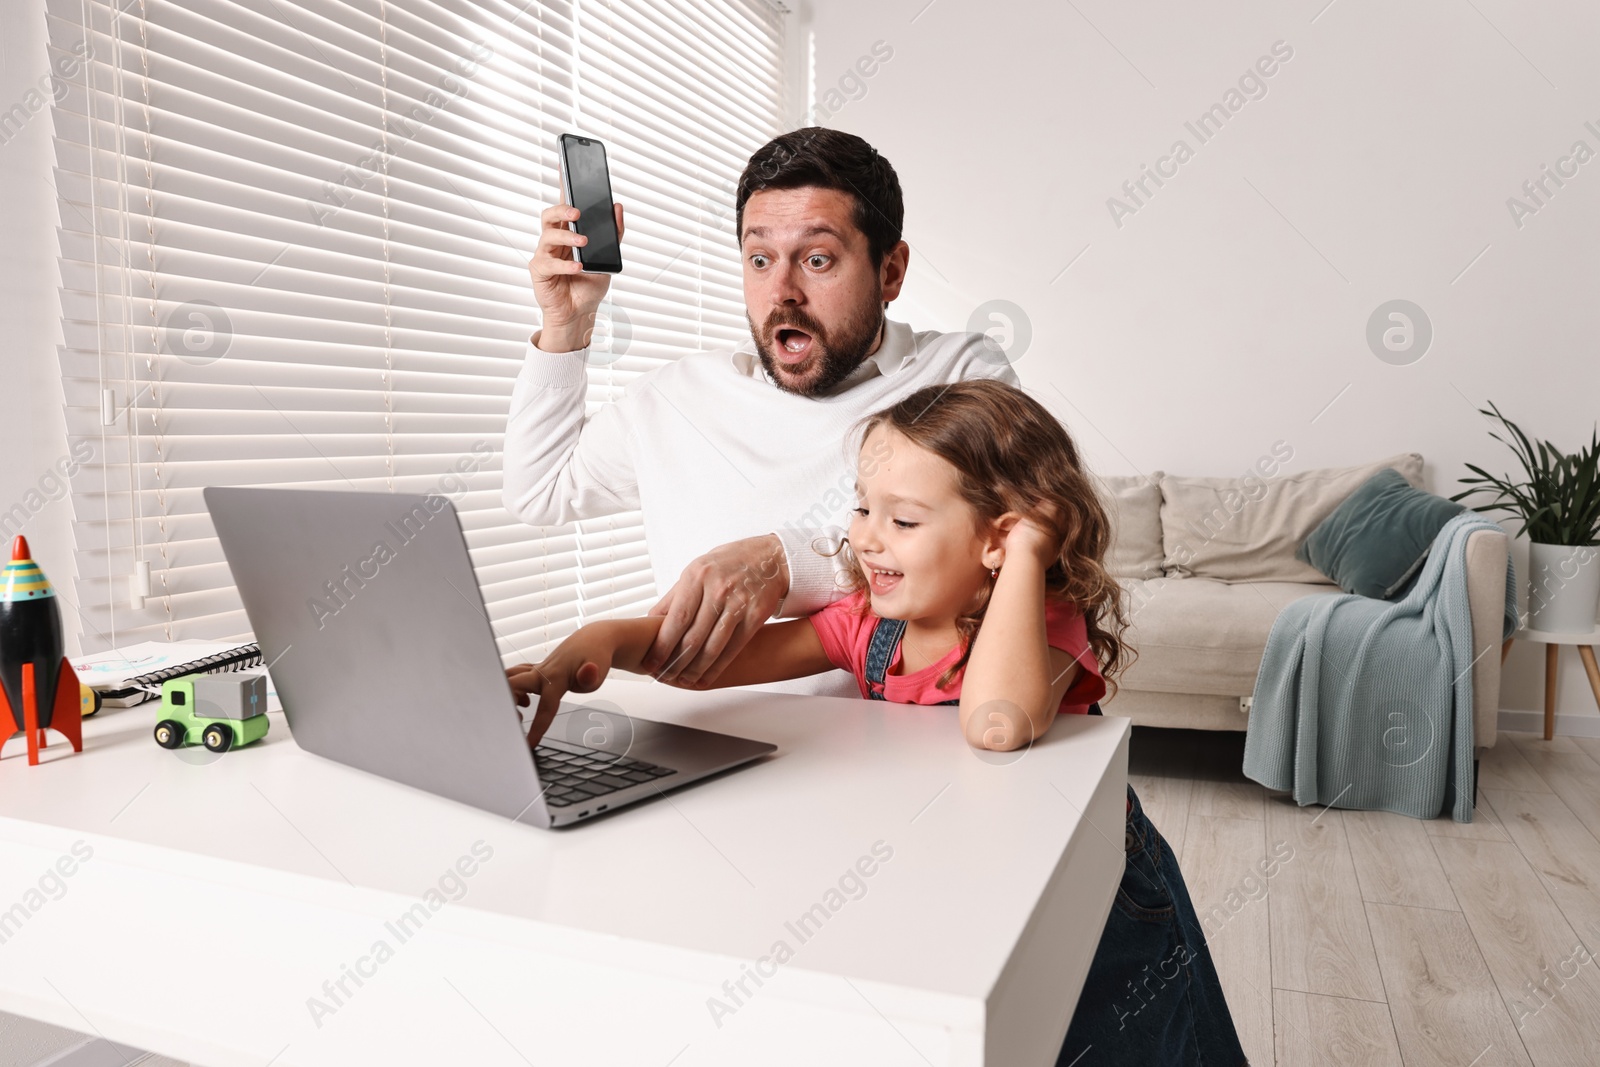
column 1152, row 997
column 886, row 635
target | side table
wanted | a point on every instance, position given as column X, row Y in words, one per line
column 1553, row 642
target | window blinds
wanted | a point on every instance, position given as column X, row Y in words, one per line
column 294, row 239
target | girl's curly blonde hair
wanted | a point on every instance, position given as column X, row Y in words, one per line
column 1011, row 454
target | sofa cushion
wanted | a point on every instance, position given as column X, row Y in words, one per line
column 1201, row 635
column 1134, row 504
column 1247, row 529
column 1374, row 543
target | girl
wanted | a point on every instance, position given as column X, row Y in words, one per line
column 976, row 578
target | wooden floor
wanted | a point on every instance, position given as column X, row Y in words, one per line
column 1378, row 939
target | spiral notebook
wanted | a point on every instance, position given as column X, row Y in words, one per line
column 128, row 676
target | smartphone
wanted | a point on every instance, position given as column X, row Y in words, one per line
column 586, row 185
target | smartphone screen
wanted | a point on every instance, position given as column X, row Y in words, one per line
column 587, row 185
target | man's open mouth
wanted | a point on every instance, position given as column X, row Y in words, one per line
column 793, row 345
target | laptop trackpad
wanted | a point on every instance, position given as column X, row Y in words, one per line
column 682, row 748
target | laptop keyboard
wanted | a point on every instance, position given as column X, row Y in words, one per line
column 574, row 777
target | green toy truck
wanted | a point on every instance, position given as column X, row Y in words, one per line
column 219, row 711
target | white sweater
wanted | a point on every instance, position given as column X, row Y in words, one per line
column 711, row 451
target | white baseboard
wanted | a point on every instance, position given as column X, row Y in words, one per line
column 1532, row 722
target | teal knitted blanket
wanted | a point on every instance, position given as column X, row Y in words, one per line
column 1367, row 704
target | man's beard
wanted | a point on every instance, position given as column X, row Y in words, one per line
column 834, row 354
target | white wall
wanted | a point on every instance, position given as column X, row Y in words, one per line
column 32, row 428
column 1230, row 310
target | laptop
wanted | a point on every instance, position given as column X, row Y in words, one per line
column 371, row 622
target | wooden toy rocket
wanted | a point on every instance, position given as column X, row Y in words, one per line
column 38, row 688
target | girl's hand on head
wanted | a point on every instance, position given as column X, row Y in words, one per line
column 1031, row 535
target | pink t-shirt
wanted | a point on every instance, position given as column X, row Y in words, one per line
column 845, row 635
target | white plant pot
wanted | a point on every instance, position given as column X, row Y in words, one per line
column 1564, row 588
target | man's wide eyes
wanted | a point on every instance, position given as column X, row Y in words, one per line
column 815, row 262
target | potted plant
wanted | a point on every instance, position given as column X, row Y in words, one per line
column 1558, row 501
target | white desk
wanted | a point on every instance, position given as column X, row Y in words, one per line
column 222, row 893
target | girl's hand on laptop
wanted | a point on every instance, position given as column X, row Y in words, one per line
column 578, row 665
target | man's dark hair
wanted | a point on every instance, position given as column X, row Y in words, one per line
column 830, row 159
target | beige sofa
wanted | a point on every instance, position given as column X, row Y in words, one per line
column 1207, row 564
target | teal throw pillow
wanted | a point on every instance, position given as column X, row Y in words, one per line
column 1375, row 542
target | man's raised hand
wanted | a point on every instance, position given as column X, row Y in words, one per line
column 567, row 297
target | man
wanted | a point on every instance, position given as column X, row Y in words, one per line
column 745, row 447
